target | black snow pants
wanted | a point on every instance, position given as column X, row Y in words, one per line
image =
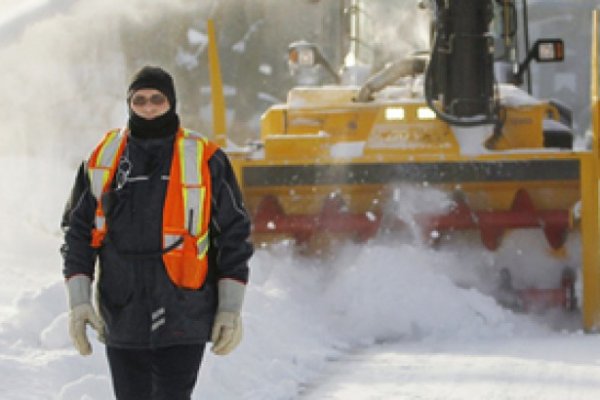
column 167, row 373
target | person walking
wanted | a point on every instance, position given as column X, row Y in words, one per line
column 160, row 208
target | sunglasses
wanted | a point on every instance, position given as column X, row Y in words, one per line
column 156, row 99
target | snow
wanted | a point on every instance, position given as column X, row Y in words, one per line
column 198, row 42
column 471, row 140
column 386, row 320
column 514, row 97
column 240, row 46
column 265, row 69
column 197, row 38
column 14, row 12
column 347, row 149
column 266, row 97
column 494, row 369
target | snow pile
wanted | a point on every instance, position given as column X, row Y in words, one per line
column 472, row 140
column 393, row 294
column 299, row 314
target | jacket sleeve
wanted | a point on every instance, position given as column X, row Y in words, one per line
column 77, row 223
column 230, row 224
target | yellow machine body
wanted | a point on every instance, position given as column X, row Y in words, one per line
column 322, row 143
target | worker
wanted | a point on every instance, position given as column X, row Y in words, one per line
column 160, row 207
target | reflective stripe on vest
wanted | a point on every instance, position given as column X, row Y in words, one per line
column 101, row 170
column 105, row 160
column 190, row 151
column 186, row 212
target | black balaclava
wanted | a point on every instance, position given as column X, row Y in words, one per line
column 164, row 125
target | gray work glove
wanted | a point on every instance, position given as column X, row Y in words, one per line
column 82, row 313
column 227, row 328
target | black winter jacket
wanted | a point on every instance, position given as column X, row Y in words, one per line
column 140, row 305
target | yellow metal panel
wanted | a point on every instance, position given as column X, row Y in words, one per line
column 523, row 128
column 289, row 147
column 409, row 137
column 272, row 121
column 590, row 224
column 594, row 81
column 590, row 239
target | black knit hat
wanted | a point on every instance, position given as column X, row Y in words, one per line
column 153, row 78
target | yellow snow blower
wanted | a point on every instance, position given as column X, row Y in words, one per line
column 330, row 159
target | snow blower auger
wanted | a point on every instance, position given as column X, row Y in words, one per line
column 331, row 159
column 532, row 299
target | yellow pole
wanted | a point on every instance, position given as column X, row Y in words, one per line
column 590, row 225
column 589, row 242
column 594, row 80
column 216, row 87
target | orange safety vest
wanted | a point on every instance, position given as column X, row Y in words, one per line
column 186, row 212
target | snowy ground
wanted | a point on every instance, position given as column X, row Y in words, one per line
column 383, row 321
column 539, row 367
